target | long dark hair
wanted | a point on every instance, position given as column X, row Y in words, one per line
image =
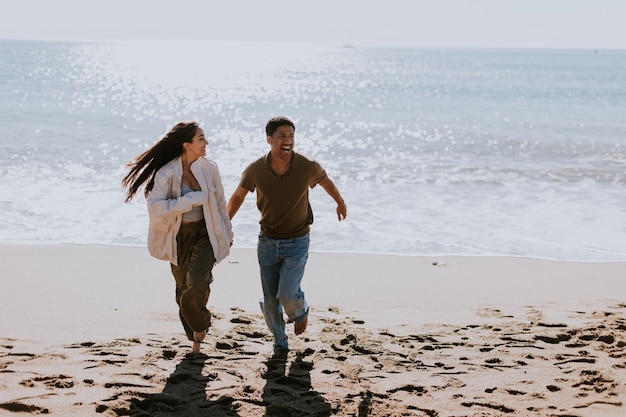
column 144, row 167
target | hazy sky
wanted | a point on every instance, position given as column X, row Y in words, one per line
column 426, row 23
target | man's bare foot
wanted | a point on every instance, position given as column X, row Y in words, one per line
column 280, row 355
column 300, row 326
column 198, row 337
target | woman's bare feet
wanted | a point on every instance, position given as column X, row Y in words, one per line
column 198, row 337
column 300, row 326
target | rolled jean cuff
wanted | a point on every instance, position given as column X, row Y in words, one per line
column 301, row 317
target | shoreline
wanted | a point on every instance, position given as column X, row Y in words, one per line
column 434, row 256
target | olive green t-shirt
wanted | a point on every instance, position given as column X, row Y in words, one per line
column 283, row 200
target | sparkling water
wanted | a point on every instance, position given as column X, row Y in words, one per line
column 436, row 152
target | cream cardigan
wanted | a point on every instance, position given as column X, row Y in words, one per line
column 166, row 207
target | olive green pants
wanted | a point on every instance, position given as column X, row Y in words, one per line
column 193, row 276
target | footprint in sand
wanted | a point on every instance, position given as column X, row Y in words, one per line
column 18, row 407
column 54, row 381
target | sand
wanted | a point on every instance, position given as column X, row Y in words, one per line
column 92, row 330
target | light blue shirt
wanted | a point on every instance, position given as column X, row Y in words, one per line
column 195, row 213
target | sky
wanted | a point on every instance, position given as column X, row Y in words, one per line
column 595, row 24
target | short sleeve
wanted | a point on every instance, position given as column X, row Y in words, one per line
column 247, row 179
column 317, row 174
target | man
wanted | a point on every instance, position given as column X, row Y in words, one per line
column 282, row 179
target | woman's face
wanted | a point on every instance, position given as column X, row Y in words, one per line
column 197, row 147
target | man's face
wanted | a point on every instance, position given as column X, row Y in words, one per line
column 282, row 142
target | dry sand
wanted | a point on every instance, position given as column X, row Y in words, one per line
column 93, row 330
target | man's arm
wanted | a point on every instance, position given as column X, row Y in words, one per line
column 236, row 200
column 331, row 189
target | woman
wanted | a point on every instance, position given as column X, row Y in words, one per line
column 189, row 224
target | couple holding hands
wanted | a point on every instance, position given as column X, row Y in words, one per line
column 190, row 221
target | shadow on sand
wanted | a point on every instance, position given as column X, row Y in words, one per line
column 291, row 394
column 184, row 394
column 285, row 394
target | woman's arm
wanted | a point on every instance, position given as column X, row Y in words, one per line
column 161, row 201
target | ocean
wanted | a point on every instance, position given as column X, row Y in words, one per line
column 436, row 151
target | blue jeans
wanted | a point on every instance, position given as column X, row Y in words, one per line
column 282, row 263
